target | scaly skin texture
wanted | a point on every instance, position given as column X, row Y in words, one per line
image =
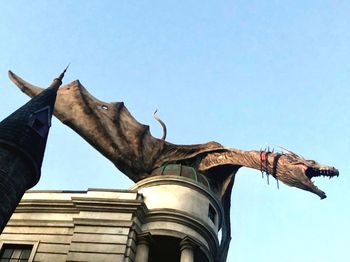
column 112, row 130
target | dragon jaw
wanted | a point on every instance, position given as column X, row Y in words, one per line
column 324, row 171
column 298, row 172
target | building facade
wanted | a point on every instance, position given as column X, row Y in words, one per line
column 171, row 216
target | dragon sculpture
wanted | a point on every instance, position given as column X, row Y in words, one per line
column 112, row 130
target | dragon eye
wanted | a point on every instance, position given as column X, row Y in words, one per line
column 103, row 107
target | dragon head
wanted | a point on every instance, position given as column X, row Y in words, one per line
column 296, row 171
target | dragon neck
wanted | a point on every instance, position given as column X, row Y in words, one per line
column 259, row 160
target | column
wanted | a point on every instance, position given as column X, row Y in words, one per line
column 186, row 249
column 142, row 249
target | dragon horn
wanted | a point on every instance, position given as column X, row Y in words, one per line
column 161, row 123
column 288, row 151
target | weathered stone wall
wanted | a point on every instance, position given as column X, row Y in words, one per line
column 95, row 225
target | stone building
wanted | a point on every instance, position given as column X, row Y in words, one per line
column 172, row 216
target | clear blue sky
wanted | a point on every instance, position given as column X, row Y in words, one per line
column 243, row 73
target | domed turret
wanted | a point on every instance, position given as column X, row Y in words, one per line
column 184, row 217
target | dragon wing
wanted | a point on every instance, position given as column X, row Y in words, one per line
column 113, row 131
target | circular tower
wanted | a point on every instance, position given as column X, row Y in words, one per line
column 184, row 216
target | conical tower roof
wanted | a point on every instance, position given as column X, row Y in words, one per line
column 26, row 130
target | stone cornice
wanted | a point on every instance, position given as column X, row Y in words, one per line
column 46, row 205
column 82, row 203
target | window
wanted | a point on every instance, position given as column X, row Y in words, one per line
column 40, row 121
column 212, row 213
column 14, row 252
column 164, row 248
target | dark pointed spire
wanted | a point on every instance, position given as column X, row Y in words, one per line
column 57, row 82
column 23, row 137
column 26, row 129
